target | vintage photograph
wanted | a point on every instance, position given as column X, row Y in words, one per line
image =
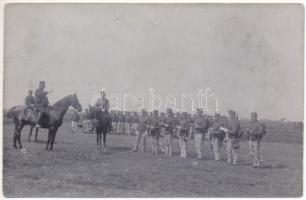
column 153, row 100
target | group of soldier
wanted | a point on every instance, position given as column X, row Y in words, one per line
column 163, row 127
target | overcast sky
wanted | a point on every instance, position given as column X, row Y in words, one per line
column 251, row 56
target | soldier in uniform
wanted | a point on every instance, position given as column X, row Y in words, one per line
column 162, row 132
column 30, row 100
column 86, row 121
column 184, row 134
column 201, row 125
column 217, row 135
column 135, row 121
column 127, row 122
column 154, row 125
column 232, row 141
column 74, row 121
column 142, row 132
column 41, row 102
column 103, row 105
column 256, row 132
column 169, row 125
column 114, row 121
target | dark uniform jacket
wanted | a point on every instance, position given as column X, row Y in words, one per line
column 169, row 124
column 29, row 100
column 155, row 124
column 143, row 122
column 233, row 127
column 41, row 98
column 256, row 131
column 216, row 129
column 184, row 130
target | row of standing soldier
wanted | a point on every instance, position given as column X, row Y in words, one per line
column 184, row 126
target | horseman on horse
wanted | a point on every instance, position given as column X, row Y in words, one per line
column 103, row 121
column 102, row 109
column 41, row 102
column 38, row 115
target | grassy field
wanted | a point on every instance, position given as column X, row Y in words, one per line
column 76, row 169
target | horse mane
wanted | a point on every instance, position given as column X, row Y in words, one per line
column 60, row 102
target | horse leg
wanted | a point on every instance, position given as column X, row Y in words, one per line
column 49, row 138
column 15, row 136
column 54, row 131
column 100, row 139
column 36, row 134
column 104, row 139
column 97, row 140
column 30, row 134
column 19, row 135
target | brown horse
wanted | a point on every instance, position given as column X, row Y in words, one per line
column 24, row 115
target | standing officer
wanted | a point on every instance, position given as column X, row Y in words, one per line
column 256, row 132
column 30, row 100
column 217, row 135
column 41, row 101
column 169, row 125
column 154, row 125
column 74, row 121
column 201, row 126
column 184, row 134
column 142, row 132
column 232, row 141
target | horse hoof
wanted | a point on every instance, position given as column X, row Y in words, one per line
column 15, row 146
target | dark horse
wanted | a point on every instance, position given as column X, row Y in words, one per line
column 102, row 125
column 24, row 115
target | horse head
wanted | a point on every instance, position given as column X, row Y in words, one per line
column 74, row 102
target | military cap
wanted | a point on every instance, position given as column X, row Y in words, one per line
column 217, row 115
column 253, row 114
column 169, row 110
column 42, row 82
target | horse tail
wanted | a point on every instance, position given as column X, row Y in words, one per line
column 10, row 113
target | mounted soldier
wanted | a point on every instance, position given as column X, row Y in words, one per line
column 30, row 100
column 102, row 108
column 41, row 102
